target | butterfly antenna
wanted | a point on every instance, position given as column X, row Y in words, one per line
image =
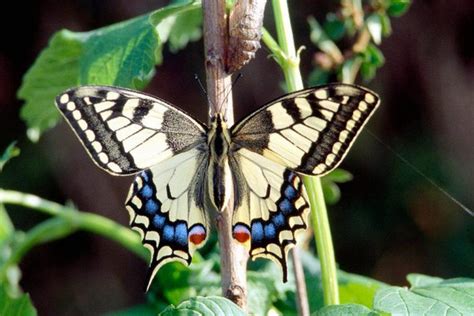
column 203, row 89
column 228, row 92
column 419, row 172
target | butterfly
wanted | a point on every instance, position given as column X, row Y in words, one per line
column 185, row 168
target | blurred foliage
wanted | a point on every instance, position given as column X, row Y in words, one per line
column 15, row 305
column 11, row 152
column 125, row 54
column 358, row 27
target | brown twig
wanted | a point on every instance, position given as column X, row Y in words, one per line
column 245, row 32
column 233, row 255
column 301, row 294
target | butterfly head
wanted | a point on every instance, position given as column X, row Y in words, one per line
column 218, row 119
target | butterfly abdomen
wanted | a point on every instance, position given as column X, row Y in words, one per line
column 219, row 176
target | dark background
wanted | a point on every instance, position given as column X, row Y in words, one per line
column 390, row 221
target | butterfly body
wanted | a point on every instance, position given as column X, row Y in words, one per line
column 185, row 168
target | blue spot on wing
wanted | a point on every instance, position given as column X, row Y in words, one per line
column 257, row 232
column 146, row 191
column 270, row 231
column 168, row 233
column 181, row 234
column 158, row 221
column 285, row 206
column 151, row 207
column 278, row 220
column 290, row 192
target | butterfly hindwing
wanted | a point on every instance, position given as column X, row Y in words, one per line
column 308, row 131
column 271, row 207
column 125, row 131
column 166, row 206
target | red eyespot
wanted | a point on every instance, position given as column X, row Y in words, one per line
column 241, row 233
column 197, row 234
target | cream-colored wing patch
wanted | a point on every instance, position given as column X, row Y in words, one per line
column 272, row 207
column 126, row 131
column 308, row 131
column 167, row 210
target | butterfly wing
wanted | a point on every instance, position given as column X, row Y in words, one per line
column 166, row 206
column 125, row 131
column 309, row 131
column 271, row 206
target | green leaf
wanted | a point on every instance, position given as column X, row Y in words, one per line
column 374, row 25
column 334, row 27
column 372, row 60
column 9, row 153
column 318, row 77
column 398, row 7
column 331, row 191
column 319, row 37
column 122, row 54
column 56, row 69
column 345, row 309
column 339, row 175
column 6, row 227
column 433, row 297
column 261, row 292
column 386, row 25
column 15, row 305
column 209, row 306
column 180, row 23
column 358, row 289
column 417, row 280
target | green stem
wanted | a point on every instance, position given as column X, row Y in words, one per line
column 322, row 236
column 82, row 220
column 320, row 220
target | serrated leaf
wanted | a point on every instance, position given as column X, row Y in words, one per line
column 180, row 23
column 452, row 296
column 358, row 289
column 186, row 28
column 398, row 7
column 374, row 25
column 209, row 306
column 417, row 280
column 12, row 305
column 122, row 54
column 346, row 309
column 9, row 153
column 55, row 69
column 261, row 291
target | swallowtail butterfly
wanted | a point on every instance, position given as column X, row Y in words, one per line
column 185, row 168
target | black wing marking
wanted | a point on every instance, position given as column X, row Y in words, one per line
column 309, row 131
column 166, row 206
column 272, row 207
column 125, row 131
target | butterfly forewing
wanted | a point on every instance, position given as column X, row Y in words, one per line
column 308, row 131
column 126, row 131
